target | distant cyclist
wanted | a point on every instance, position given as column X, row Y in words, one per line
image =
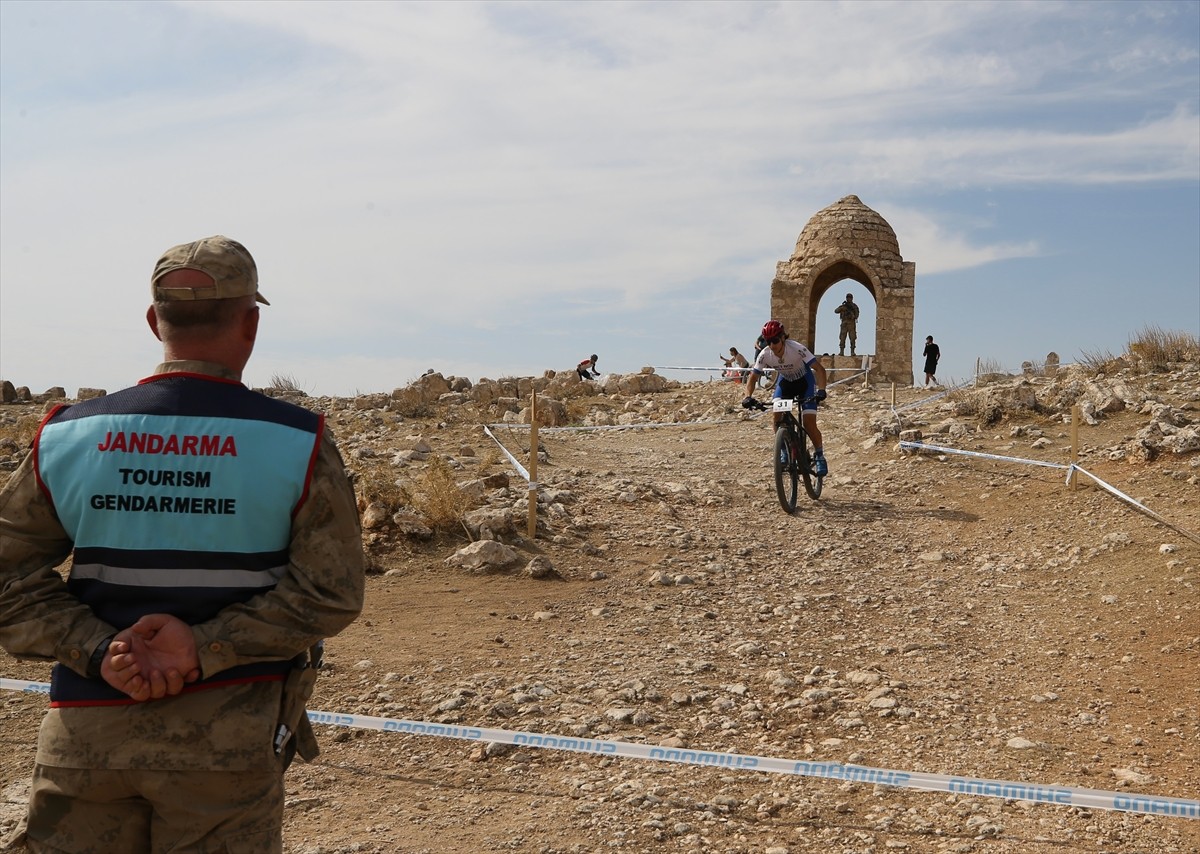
column 587, row 368
column 800, row 375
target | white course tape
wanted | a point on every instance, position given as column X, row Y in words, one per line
column 27, row 687
column 732, row 368
column 975, row 786
column 942, row 450
column 1070, row 469
column 1109, row 488
column 520, row 468
column 846, row 379
column 616, row 426
column 1142, row 507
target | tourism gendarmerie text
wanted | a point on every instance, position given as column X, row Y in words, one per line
column 214, row 445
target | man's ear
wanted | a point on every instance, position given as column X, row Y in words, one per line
column 152, row 319
column 250, row 324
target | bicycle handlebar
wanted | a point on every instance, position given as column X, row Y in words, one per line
column 754, row 403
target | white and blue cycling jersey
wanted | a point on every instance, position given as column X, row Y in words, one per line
column 794, row 369
column 795, row 363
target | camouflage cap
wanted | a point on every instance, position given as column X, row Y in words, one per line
column 225, row 261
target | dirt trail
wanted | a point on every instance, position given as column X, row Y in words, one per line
column 944, row 615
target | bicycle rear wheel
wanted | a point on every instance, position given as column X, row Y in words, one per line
column 812, row 481
column 786, row 468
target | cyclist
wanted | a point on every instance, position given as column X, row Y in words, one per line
column 800, row 375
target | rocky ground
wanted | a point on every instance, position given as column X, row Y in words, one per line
column 932, row 612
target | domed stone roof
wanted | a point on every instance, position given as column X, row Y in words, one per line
column 848, row 227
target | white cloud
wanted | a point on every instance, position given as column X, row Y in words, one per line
column 395, row 166
column 937, row 248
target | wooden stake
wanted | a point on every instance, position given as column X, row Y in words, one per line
column 533, row 460
column 893, row 395
column 1074, row 478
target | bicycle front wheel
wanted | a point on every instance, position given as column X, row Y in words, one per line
column 786, row 469
column 812, row 480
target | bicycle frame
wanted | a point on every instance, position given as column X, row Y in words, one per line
column 793, row 460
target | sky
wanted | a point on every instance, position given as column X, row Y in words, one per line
column 497, row 189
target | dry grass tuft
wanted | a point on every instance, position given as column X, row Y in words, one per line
column 284, row 382
column 1101, row 362
column 379, row 485
column 439, row 498
column 490, row 458
column 989, row 370
column 411, row 406
column 1158, row 348
column 1150, row 350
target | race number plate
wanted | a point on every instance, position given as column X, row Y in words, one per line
column 782, row 404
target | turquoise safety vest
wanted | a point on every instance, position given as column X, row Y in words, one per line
column 178, row 494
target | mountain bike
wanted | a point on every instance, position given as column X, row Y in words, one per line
column 793, row 456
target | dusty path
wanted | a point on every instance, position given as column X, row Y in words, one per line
column 949, row 616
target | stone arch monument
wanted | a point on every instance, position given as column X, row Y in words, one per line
column 848, row 240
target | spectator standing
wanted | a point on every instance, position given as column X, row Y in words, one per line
column 848, row 311
column 932, row 354
column 215, row 542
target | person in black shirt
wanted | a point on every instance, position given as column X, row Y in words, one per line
column 931, row 353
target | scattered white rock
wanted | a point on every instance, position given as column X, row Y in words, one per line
column 484, row 555
column 1019, row 743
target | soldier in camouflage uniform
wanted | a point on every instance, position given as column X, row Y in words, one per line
column 848, row 311
column 214, row 540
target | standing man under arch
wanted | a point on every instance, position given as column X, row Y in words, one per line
column 848, row 311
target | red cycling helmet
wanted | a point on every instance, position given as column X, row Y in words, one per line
column 771, row 329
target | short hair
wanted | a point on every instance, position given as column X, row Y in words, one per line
column 192, row 317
